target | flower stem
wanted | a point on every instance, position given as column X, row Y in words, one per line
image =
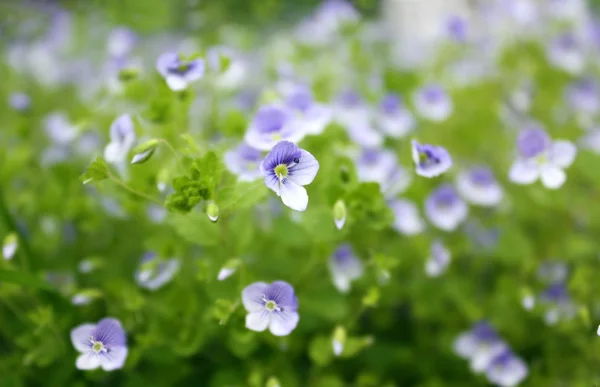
column 12, row 225
column 174, row 151
column 133, row 191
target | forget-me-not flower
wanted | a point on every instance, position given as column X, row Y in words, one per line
column 393, row 118
column 101, row 345
column 407, row 219
column 313, row 117
column 430, row 160
column 507, row 369
column 273, row 306
column 540, row 157
column 433, row 103
column 272, row 124
column 438, row 261
column 344, row 267
column 244, row 162
column 478, row 186
column 286, row 169
column 153, row 272
column 480, row 345
column 179, row 73
column 445, row 209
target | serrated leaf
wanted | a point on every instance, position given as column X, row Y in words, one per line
column 96, row 171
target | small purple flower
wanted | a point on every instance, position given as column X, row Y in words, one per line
column 286, row 169
column 153, row 272
column 558, row 304
column 552, row 272
column 244, row 162
column 439, row 259
column 271, row 124
column 60, row 130
column 584, row 96
column 101, row 345
column 565, row 52
column 433, row 103
column 177, row 72
column 344, row 267
column 507, row 370
column 19, row 101
column 430, row 160
column 122, row 137
column 457, row 28
column 312, row 116
column 591, row 140
column 445, row 209
column 350, row 109
column 407, row 220
column 381, row 166
column 479, row 186
column 121, row 41
column 274, row 306
column 393, row 118
column 540, row 157
column 480, row 345
column 362, row 133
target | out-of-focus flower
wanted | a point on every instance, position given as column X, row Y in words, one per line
column 433, row 103
column 480, row 345
column 122, row 137
column 270, row 125
column 120, row 42
column 244, row 162
column 507, row 369
column 445, row 209
column 559, row 306
column 583, row 96
column 551, row 271
column 339, row 214
column 350, row 109
column 153, row 272
column 179, row 73
column 438, row 261
column 363, row 133
column 591, row 140
column 10, row 246
column 313, row 117
column 457, row 28
column 540, row 157
column 478, row 186
column 375, row 165
column 344, row 267
column 430, row 160
column 407, row 219
column 566, row 52
column 393, row 118
column 19, row 101
column 101, row 345
column 286, row 169
column 60, row 130
column 274, row 306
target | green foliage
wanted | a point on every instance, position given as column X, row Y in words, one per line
column 95, row 172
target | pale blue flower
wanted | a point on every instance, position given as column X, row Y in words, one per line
column 313, row 117
column 179, row 73
column 480, row 345
column 445, row 209
column 478, row 186
column 430, row 160
column 244, row 161
column 273, row 306
column 439, row 259
column 122, row 138
column 541, row 158
column 101, row 345
column 272, row 124
column 286, row 169
column 344, row 267
column 566, row 52
column 19, row 101
column 393, row 118
column 407, row 219
column 120, row 42
column 433, row 103
column 350, row 109
column 558, row 304
column 507, row 370
column 381, row 166
column 60, row 129
column 154, row 272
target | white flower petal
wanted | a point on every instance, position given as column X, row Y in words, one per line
column 487, row 196
column 80, row 337
column 524, row 172
column 282, row 324
column 465, row 345
column 261, row 141
column 258, row 321
column 252, row 296
column 115, row 359
column 553, row 177
column 305, row 171
column 114, row 153
column 341, row 282
column 294, row 196
column 562, row 153
column 176, row 83
column 448, row 219
column 88, row 361
column 485, row 354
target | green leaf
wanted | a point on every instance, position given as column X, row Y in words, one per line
column 320, row 351
column 25, row 279
column 96, row 171
column 195, row 228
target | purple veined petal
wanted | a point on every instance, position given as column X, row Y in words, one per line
column 284, row 152
column 433, row 103
column 252, row 297
column 283, row 323
column 562, row 153
column 552, row 177
column 80, row 337
column 115, row 359
column 110, row 332
column 524, row 172
column 305, row 171
column 407, row 220
column 507, row 370
column 283, row 294
column 479, row 186
column 445, row 209
column 430, row 160
column 258, row 321
column 87, row 361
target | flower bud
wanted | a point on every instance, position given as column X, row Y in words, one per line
column 339, row 214
column 212, row 210
column 339, row 338
column 228, row 269
column 10, row 245
column 144, row 151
